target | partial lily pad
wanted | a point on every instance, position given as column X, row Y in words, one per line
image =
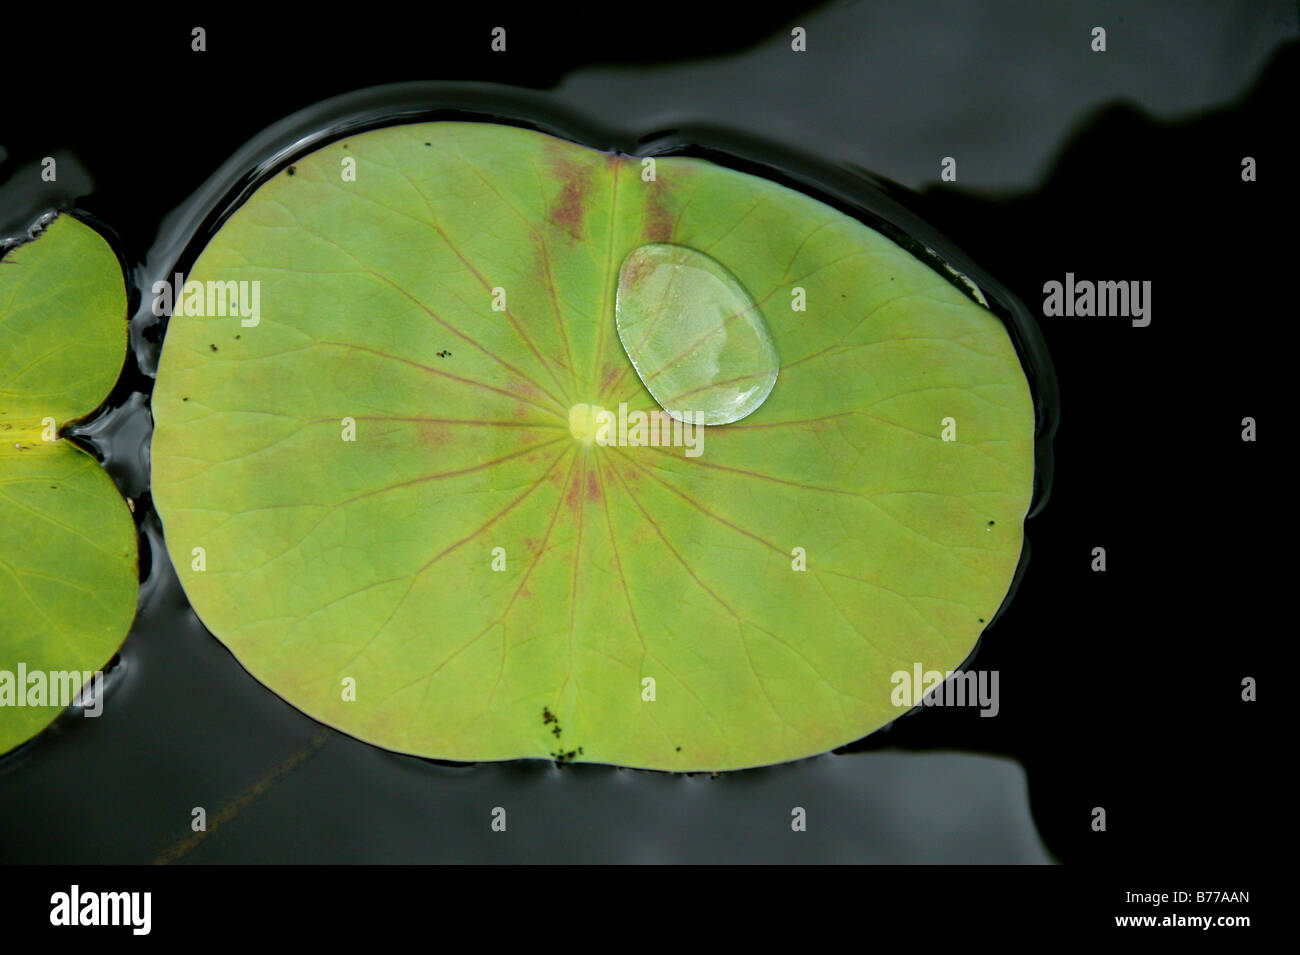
column 388, row 492
column 67, row 540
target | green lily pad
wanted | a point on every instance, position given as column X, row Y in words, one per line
column 67, row 541
column 388, row 494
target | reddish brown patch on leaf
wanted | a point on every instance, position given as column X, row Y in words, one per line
column 524, row 388
column 574, row 496
column 659, row 222
column 570, row 209
column 608, row 375
column 637, row 268
column 593, row 488
column 431, row 435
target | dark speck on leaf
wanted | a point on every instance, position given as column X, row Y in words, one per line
column 291, row 170
column 213, row 347
column 428, row 144
column 990, row 523
column 980, row 619
column 679, row 749
column 185, row 399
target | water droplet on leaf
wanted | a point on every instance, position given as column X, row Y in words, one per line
column 694, row 335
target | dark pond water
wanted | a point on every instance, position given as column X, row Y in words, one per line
column 1067, row 161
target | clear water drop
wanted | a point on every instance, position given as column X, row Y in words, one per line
column 694, row 335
